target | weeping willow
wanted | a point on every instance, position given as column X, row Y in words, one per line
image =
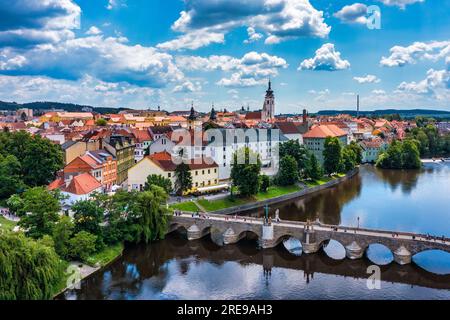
column 28, row 270
column 152, row 215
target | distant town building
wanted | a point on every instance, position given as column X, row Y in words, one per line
column 204, row 174
column 314, row 139
column 122, row 148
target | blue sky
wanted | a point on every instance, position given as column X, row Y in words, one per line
column 139, row 53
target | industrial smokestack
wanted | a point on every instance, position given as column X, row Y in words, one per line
column 357, row 106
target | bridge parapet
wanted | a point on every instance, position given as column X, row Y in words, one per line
column 226, row 230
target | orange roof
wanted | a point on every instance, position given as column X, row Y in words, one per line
column 83, row 184
column 164, row 161
column 57, row 184
column 91, row 161
column 142, row 135
column 324, row 131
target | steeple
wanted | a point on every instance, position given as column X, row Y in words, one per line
column 268, row 113
column 192, row 116
column 213, row 115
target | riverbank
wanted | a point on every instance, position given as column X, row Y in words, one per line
column 95, row 263
column 274, row 195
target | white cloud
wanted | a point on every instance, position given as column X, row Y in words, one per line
column 279, row 20
column 188, row 87
column 109, row 59
column 251, row 70
column 93, row 31
column 401, row 56
column 355, row 13
column 326, row 59
column 399, row 3
column 114, row 4
column 86, row 90
column 379, row 92
column 367, row 79
column 27, row 22
column 436, row 84
column 253, row 36
column 193, row 40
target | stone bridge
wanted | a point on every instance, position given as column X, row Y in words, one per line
column 225, row 230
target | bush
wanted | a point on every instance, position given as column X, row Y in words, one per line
column 82, row 245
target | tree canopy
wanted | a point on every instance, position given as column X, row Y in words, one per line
column 245, row 171
column 29, row 270
column 332, row 154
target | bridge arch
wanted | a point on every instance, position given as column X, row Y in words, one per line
column 380, row 254
column 333, row 248
column 249, row 235
column 433, row 261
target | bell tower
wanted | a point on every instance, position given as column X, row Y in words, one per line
column 269, row 104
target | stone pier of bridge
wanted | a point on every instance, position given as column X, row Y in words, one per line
column 226, row 230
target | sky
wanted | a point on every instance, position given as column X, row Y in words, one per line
column 171, row 53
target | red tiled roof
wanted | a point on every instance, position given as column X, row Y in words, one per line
column 141, row 135
column 324, row 131
column 83, row 184
column 164, row 161
column 91, row 161
column 287, row 127
column 253, row 115
column 57, row 184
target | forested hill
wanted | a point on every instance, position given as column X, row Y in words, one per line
column 45, row 105
column 412, row 113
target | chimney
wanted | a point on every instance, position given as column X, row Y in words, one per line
column 357, row 106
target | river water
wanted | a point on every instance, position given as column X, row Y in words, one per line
column 415, row 201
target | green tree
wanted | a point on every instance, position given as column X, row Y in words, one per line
column 288, row 174
column 264, row 183
column 314, row 170
column 332, row 154
column 245, row 171
column 42, row 209
column 357, row 150
column 160, row 181
column 10, row 176
column 183, row 178
column 392, row 157
column 39, row 158
column 62, row 233
column 28, row 270
column 411, row 155
column 299, row 152
column 101, row 122
column 88, row 216
column 150, row 215
column 82, row 245
column 348, row 159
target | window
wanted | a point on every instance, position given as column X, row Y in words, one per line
column 170, row 175
column 215, row 170
column 209, row 171
column 196, row 173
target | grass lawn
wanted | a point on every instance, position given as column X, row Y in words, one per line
column 272, row 192
column 106, row 256
column 185, row 206
column 6, row 224
column 276, row 191
column 223, row 203
column 320, row 182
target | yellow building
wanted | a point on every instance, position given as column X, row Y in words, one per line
column 204, row 175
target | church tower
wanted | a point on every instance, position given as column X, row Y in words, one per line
column 268, row 113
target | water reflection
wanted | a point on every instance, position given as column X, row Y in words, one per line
column 379, row 254
column 415, row 201
column 200, row 270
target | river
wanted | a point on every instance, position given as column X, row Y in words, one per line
column 416, row 201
